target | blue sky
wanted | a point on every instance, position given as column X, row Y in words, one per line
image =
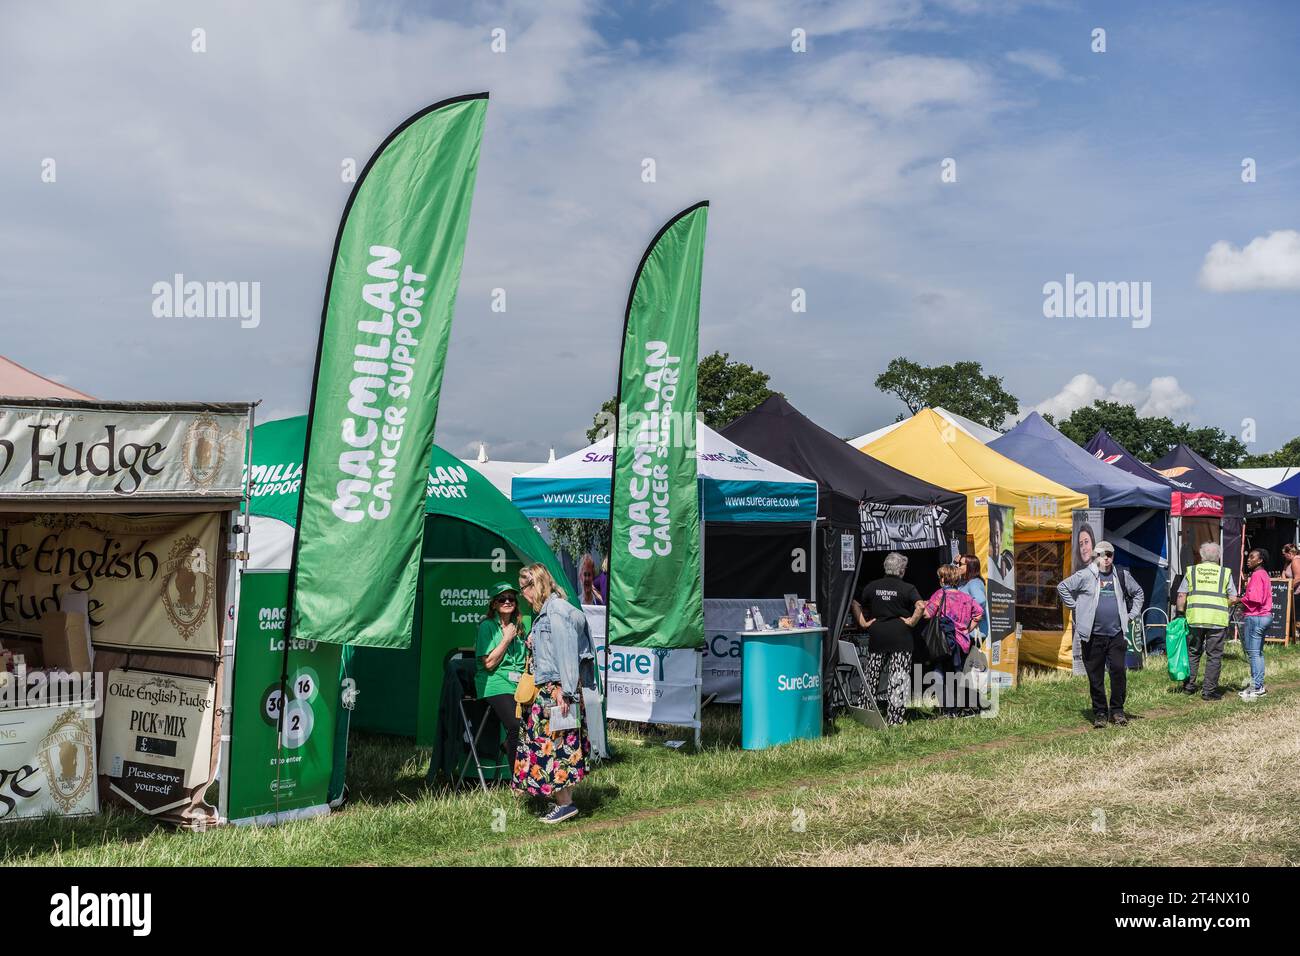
column 823, row 169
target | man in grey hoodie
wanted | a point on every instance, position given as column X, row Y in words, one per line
column 1104, row 599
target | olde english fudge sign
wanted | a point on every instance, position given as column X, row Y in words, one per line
column 103, row 453
column 157, row 739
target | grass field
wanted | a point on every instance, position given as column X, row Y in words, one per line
column 1188, row 782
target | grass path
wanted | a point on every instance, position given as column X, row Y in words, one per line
column 1178, row 788
column 1021, row 787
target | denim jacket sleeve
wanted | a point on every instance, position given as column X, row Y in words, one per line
column 561, row 642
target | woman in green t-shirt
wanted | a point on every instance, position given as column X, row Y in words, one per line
column 499, row 651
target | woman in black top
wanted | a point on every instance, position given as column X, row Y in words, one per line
column 895, row 606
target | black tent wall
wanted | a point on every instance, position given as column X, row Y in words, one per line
column 756, row 560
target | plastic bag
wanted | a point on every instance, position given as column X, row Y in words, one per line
column 1176, row 649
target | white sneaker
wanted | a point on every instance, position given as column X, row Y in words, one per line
column 1248, row 694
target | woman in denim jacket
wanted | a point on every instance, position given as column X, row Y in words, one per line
column 549, row 761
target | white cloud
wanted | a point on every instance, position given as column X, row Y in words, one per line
column 1266, row 262
column 1166, row 397
column 766, row 24
column 1079, row 392
column 1162, row 396
column 1044, row 64
column 898, row 86
column 823, row 170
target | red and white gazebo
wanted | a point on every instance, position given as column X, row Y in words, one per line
column 19, row 382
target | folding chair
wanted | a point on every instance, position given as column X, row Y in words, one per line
column 470, row 734
column 850, row 691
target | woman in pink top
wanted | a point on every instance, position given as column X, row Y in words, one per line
column 964, row 612
column 1257, row 602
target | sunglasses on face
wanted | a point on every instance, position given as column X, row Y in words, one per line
column 506, row 600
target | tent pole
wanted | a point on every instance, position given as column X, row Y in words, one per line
column 812, row 563
column 699, row 652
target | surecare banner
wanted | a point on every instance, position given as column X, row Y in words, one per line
column 388, row 309
column 655, row 596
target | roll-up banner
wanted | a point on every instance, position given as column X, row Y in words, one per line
column 648, row 685
column 655, row 594
column 1087, row 530
column 1002, row 572
column 282, row 749
column 1004, row 639
column 388, row 309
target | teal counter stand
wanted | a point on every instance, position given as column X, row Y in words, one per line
column 781, row 686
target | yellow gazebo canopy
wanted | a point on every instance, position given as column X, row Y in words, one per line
column 931, row 448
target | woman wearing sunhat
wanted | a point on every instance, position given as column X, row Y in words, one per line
column 499, row 652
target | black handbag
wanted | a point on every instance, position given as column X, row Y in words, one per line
column 933, row 637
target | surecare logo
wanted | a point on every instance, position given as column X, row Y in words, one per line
column 802, row 682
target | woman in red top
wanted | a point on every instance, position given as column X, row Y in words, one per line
column 964, row 612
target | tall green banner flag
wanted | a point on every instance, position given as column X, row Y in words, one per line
column 655, row 595
column 388, row 309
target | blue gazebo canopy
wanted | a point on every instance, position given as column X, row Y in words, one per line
column 1037, row 445
column 1289, row 487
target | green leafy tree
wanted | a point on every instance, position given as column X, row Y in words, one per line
column 578, row 536
column 603, row 423
column 729, row 389
column 962, row 387
column 1288, row 456
column 1150, row 438
column 725, row 391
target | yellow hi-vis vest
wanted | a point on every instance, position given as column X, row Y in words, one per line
column 1207, row 596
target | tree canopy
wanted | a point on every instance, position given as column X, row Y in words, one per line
column 963, row 387
column 725, row 391
column 1288, row 456
column 1150, row 438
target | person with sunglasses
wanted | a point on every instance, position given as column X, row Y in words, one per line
column 499, row 654
column 1104, row 599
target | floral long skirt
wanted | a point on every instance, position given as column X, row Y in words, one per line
column 544, row 762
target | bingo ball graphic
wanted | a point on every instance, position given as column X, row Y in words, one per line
column 298, row 720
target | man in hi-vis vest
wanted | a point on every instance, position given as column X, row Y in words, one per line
column 1206, row 594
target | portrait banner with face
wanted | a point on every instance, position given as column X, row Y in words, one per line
column 149, row 581
column 1001, row 572
column 1087, row 524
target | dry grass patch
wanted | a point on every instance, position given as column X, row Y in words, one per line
column 1205, row 788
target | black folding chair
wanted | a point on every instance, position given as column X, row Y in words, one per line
column 850, row 693
column 475, row 715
